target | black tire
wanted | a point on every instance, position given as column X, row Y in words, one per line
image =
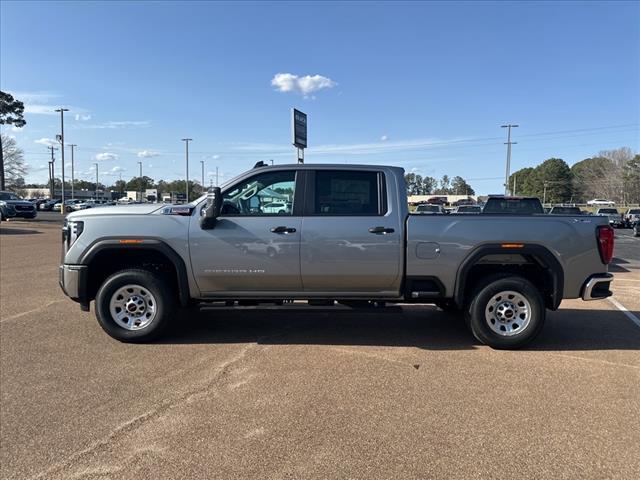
column 486, row 293
column 165, row 305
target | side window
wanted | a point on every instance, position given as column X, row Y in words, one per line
column 269, row 193
column 347, row 192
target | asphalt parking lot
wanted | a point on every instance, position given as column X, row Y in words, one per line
column 404, row 392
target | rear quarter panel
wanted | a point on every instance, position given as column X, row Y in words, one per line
column 572, row 240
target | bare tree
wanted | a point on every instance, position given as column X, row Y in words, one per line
column 11, row 113
column 14, row 167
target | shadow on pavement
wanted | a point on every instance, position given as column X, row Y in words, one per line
column 17, row 231
column 424, row 327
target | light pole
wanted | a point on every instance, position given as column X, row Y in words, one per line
column 186, row 143
column 508, row 144
column 72, row 145
column 52, row 180
column 96, row 165
column 62, row 110
column 140, row 164
column 217, row 184
column 202, row 165
column 121, row 186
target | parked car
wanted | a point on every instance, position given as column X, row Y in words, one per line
column 47, row 205
column 560, row 210
column 68, row 205
column 276, row 207
column 513, row 205
column 463, row 201
column 437, row 200
column 467, row 209
column 428, row 209
column 631, row 217
column 600, row 201
column 349, row 237
column 12, row 206
column 615, row 217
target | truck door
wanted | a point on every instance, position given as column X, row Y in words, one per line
column 255, row 245
column 351, row 237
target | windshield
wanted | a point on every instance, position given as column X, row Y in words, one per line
column 8, row 196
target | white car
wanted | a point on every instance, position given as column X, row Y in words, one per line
column 600, row 201
column 276, row 207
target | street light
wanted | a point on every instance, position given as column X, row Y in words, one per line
column 186, row 142
column 96, row 165
column 62, row 110
column 202, row 165
column 140, row 163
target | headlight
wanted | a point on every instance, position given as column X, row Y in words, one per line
column 3, row 203
column 71, row 231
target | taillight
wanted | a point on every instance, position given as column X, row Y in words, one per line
column 605, row 243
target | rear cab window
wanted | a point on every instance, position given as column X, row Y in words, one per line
column 515, row 206
column 347, row 193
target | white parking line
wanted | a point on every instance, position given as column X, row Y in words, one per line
column 624, row 310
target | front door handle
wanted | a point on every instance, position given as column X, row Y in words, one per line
column 381, row 230
column 283, row 229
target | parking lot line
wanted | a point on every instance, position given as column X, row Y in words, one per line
column 624, row 310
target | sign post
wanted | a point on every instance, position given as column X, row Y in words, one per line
column 299, row 130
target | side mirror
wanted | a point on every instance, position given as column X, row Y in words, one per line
column 211, row 210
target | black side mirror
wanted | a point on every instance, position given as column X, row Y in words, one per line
column 211, row 210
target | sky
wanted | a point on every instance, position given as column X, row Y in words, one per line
column 425, row 86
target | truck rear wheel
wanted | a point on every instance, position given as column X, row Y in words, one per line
column 506, row 312
column 135, row 305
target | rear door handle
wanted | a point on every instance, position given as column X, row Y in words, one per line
column 283, row 229
column 381, row 230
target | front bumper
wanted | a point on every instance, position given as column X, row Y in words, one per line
column 73, row 281
column 597, row 287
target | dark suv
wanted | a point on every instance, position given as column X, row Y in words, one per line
column 12, row 206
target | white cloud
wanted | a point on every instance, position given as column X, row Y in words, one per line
column 147, row 154
column 105, row 156
column 384, row 138
column 117, row 169
column 82, row 118
column 47, row 141
column 288, row 82
column 114, row 125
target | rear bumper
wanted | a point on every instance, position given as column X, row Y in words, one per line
column 73, row 281
column 597, row 287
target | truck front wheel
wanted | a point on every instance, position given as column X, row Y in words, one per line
column 506, row 312
column 134, row 305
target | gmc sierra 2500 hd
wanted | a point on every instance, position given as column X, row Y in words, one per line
column 347, row 236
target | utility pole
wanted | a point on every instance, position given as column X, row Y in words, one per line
column 62, row 110
column 186, row 142
column 508, row 144
column 96, row 165
column 544, row 195
column 202, row 164
column 52, row 181
column 140, row 163
column 515, row 184
column 217, row 183
column 121, row 186
column 72, row 145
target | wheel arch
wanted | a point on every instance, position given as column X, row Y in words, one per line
column 132, row 255
column 544, row 262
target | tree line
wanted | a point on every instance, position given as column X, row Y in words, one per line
column 611, row 175
column 419, row 185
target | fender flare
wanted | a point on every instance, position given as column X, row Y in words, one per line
column 541, row 254
column 159, row 246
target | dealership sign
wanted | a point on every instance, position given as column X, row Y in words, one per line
column 299, row 127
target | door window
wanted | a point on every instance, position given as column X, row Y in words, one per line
column 347, row 192
column 269, row 193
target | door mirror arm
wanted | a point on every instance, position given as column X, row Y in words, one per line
column 211, row 211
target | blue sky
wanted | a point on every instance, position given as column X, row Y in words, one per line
column 422, row 85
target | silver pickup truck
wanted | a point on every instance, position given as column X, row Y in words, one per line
column 347, row 237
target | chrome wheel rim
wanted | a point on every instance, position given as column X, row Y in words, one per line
column 133, row 307
column 508, row 313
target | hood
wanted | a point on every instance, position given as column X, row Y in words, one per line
column 136, row 209
column 18, row 202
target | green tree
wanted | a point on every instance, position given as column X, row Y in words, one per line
column 140, row 183
column 11, row 113
column 553, row 179
column 459, row 186
column 520, row 182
